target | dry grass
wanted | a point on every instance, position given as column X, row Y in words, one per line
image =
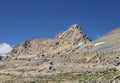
column 106, row 76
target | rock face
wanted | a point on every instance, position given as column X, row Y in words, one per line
column 71, row 37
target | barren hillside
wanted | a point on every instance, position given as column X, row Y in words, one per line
column 70, row 57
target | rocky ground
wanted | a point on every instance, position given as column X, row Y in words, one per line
column 68, row 58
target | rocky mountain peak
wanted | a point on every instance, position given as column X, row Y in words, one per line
column 74, row 27
column 71, row 37
column 72, row 30
column 75, row 33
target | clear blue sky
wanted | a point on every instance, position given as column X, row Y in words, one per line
column 23, row 19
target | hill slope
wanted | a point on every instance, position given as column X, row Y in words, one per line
column 68, row 58
column 107, row 43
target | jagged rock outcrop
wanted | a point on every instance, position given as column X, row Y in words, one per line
column 71, row 37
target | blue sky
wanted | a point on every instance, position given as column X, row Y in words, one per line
column 24, row 19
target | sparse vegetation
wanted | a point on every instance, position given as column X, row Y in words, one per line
column 92, row 77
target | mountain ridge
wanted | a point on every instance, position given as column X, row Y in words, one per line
column 70, row 57
column 72, row 36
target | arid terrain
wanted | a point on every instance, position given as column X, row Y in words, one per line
column 70, row 57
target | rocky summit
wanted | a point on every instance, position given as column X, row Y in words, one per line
column 70, row 57
column 64, row 40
